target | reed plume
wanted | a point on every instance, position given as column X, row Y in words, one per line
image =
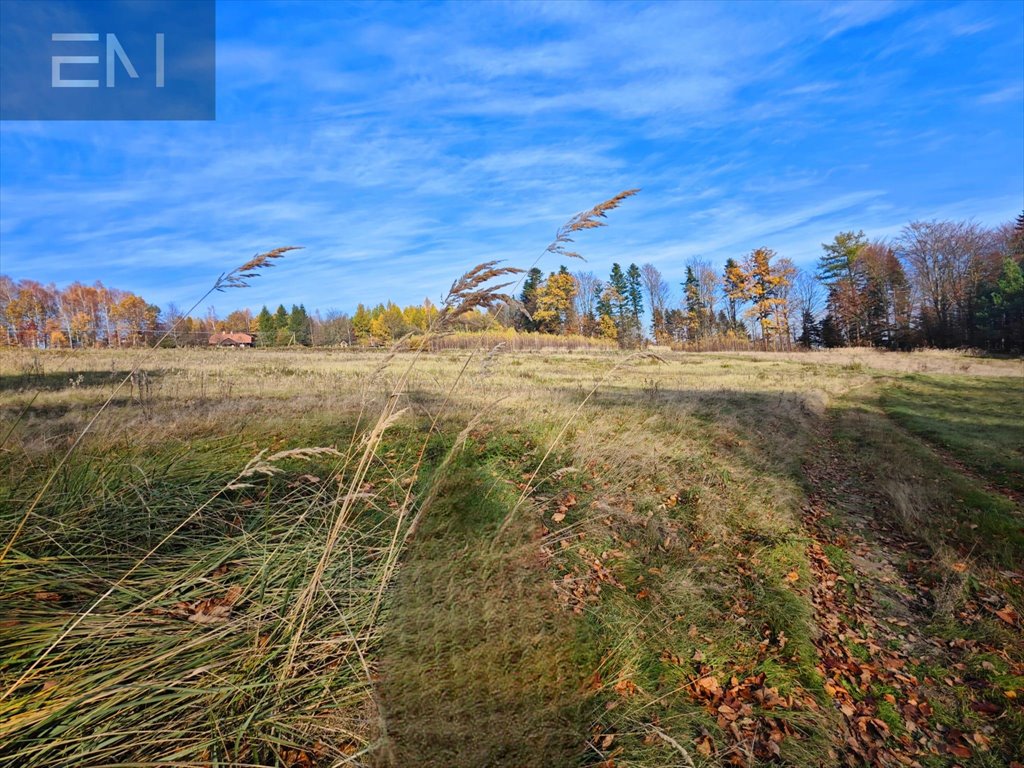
column 589, row 219
column 239, row 276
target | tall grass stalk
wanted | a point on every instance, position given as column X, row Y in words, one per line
column 229, row 640
column 236, row 278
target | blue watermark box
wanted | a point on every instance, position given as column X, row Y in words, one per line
column 107, row 60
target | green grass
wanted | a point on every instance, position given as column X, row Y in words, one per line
column 687, row 539
column 478, row 667
column 978, row 421
column 925, row 496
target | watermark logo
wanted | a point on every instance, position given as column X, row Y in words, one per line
column 100, row 60
column 114, row 48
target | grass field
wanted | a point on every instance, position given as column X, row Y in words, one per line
column 275, row 557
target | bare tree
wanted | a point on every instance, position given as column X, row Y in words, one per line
column 707, row 279
column 706, row 297
column 588, row 291
column 657, row 297
column 172, row 317
column 948, row 260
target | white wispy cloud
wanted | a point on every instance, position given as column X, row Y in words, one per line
column 401, row 146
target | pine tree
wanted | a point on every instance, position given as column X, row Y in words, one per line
column 265, row 327
column 298, row 325
column 839, row 269
column 635, row 296
column 695, row 310
column 528, row 298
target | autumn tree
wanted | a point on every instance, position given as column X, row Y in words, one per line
column 238, row 321
column 361, row 324
column 733, row 282
column 555, row 311
column 949, row 261
column 609, row 311
column 762, row 285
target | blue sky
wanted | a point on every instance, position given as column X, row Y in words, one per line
column 403, row 143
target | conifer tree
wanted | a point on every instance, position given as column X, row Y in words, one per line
column 635, row 295
column 695, row 309
column 280, row 326
column 361, row 323
column 528, row 298
column 298, row 325
column 839, row 270
column 618, row 301
column 265, row 327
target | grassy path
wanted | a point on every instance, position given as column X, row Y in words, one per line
column 478, row 665
column 679, row 632
column 919, row 651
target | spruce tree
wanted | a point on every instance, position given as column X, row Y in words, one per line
column 528, row 298
column 280, row 326
column 617, row 301
column 810, row 330
column 695, row 309
column 635, row 296
column 265, row 327
column 298, row 325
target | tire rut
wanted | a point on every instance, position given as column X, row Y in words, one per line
column 869, row 608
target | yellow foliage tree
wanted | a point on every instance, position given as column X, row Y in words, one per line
column 554, row 313
column 761, row 283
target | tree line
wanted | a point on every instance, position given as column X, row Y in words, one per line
column 938, row 284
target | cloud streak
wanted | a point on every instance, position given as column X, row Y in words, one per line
column 401, row 146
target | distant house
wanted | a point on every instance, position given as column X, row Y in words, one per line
column 231, row 340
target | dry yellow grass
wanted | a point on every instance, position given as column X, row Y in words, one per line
column 700, row 451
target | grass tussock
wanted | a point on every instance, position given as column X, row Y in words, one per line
column 168, row 646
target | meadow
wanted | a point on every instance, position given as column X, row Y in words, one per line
column 510, row 557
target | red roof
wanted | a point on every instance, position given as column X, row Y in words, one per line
column 230, row 339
